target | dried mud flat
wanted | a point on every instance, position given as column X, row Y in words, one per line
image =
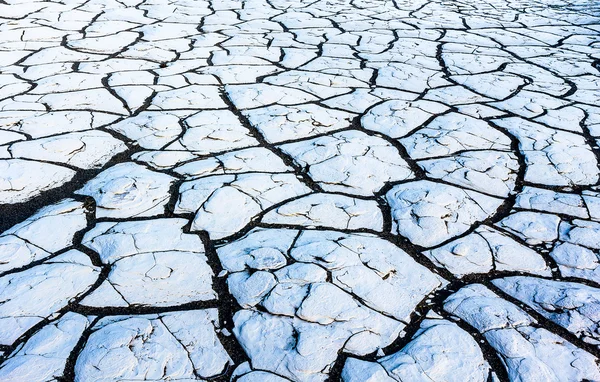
column 284, row 190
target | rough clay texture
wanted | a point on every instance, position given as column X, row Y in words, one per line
column 299, row 191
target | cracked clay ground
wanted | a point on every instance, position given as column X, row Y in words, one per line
column 300, row 190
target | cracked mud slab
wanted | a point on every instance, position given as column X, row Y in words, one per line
column 299, row 191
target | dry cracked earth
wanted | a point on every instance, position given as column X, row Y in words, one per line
column 291, row 190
